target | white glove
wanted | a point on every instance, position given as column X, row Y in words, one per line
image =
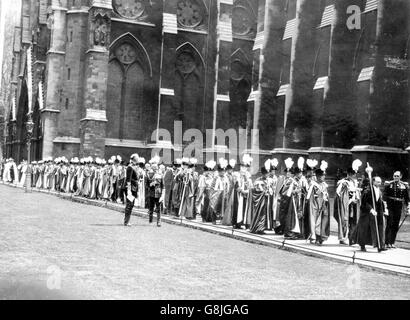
column 373, row 212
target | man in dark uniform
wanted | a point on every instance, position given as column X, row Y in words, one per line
column 132, row 188
column 396, row 193
column 155, row 192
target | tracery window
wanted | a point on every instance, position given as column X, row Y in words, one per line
column 190, row 13
column 130, row 9
column 125, row 94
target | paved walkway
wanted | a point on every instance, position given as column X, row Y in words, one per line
column 393, row 261
column 51, row 248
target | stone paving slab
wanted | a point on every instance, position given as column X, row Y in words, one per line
column 396, row 261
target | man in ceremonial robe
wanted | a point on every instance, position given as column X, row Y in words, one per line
column 168, row 180
column 229, row 191
column 177, row 189
column 140, row 202
column 70, row 176
column 35, row 173
column 347, row 205
column 288, row 210
column 260, row 203
column 243, row 185
column 371, row 226
column 63, row 175
column 301, row 202
column 40, row 178
column 319, row 210
column 23, row 167
column 216, row 194
column 190, row 180
column 121, row 182
column 86, row 186
column 205, row 185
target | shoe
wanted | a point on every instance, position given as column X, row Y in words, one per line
column 159, row 224
column 343, row 242
column 392, row 246
column 128, row 225
column 382, row 249
column 363, row 249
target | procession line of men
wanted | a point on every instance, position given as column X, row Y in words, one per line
column 294, row 204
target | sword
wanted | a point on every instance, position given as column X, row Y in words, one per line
column 405, row 217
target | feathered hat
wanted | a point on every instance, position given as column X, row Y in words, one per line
column 247, row 160
column 311, row 164
column 355, row 167
column 274, row 164
column 289, row 164
column 300, row 165
column 193, row 162
column 223, row 163
column 266, row 167
column 322, row 170
column 155, row 160
column 231, row 164
column 211, row 165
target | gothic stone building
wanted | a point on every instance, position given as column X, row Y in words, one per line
column 320, row 78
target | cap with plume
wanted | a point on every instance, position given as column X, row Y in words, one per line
column 289, row 163
column 311, row 163
column 178, row 161
column 193, row 161
column 141, row 160
column 185, row 160
column 356, row 165
column 324, row 165
column 268, row 165
column 274, row 162
column 301, row 163
column 232, row 163
column 155, row 160
column 119, row 158
column 211, row 164
column 223, row 163
column 247, row 159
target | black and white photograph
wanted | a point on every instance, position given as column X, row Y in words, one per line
column 215, row 152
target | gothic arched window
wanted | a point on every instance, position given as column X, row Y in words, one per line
column 129, row 68
column 189, row 86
